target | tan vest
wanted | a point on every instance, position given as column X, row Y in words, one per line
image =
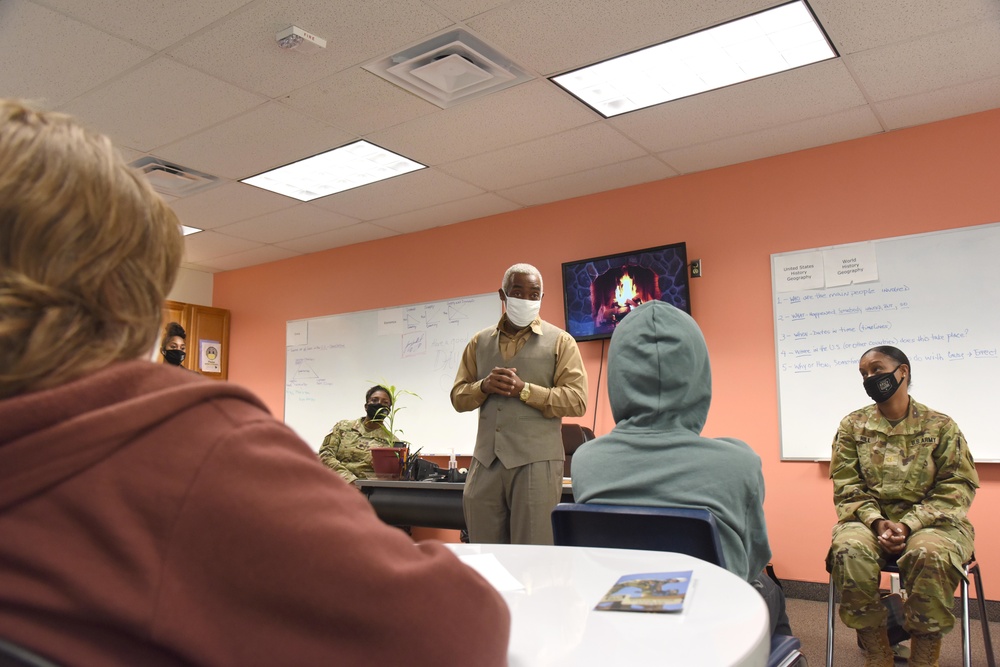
column 509, row 429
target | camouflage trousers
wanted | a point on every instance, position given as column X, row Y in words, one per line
column 930, row 570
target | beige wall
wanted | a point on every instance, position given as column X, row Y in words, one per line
column 193, row 287
column 932, row 177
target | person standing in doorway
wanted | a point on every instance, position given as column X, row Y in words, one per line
column 523, row 375
column 173, row 347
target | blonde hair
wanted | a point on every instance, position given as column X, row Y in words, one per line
column 88, row 252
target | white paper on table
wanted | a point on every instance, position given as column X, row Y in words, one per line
column 490, row 569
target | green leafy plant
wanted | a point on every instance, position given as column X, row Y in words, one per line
column 389, row 423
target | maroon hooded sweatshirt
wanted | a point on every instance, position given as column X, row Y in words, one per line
column 149, row 516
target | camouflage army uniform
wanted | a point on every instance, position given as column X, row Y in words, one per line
column 345, row 448
column 919, row 473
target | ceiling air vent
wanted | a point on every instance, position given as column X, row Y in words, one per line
column 450, row 68
column 171, row 180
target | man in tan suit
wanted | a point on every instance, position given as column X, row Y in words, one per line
column 524, row 375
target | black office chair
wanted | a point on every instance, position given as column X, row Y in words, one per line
column 679, row 530
column 971, row 569
column 12, row 655
column 573, row 435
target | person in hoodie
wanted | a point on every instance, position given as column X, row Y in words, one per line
column 153, row 517
column 660, row 387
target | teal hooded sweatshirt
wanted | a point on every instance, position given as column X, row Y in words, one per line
column 660, row 387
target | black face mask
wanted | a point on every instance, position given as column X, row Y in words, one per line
column 881, row 387
column 174, row 357
column 376, row 412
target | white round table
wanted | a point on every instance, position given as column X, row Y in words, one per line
column 553, row 622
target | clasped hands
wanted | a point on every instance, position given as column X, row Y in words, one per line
column 502, row 381
column 891, row 536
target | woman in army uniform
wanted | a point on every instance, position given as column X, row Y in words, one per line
column 347, row 447
column 903, row 481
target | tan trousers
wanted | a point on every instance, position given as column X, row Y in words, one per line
column 512, row 506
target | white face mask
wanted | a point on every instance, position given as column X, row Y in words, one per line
column 522, row 312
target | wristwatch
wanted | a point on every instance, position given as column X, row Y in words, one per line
column 526, row 392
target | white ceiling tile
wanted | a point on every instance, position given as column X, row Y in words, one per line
column 129, row 155
column 608, row 177
column 357, row 101
column 160, row 102
column 940, row 104
column 480, row 206
column 859, row 25
column 806, row 92
column 928, row 63
column 268, row 136
column 841, row 126
column 197, row 267
column 287, row 224
column 551, row 36
column 576, row 150
column 209, row 245
column 242, row 48
column 239, row 260
column 157, row 26
column 359, row 233
column 41, row 55
column 227, row 204
column 460, row 10
column 409, row 192
column 522, row 113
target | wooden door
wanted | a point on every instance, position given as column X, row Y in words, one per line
column 208, row 341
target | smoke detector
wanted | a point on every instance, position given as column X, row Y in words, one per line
column 171, row 180
column 294, row 37
column 450, row 68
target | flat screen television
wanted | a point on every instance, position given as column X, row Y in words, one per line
column 599, row 292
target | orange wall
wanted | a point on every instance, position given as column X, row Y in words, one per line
column 932, row 177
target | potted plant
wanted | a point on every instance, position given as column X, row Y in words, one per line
column 400, row 448
column 389, row 423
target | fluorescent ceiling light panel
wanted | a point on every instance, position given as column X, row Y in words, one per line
column 775, row 40
column 190, row 230
column 334, row 171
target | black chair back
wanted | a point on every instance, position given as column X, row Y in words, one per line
column 681, row 530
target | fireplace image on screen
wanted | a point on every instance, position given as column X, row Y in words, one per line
column 614, row 294
column 601, row 291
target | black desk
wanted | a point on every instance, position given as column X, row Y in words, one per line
column 431, row 504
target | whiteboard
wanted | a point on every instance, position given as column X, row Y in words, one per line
column 332, row 361
column 934, row 296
